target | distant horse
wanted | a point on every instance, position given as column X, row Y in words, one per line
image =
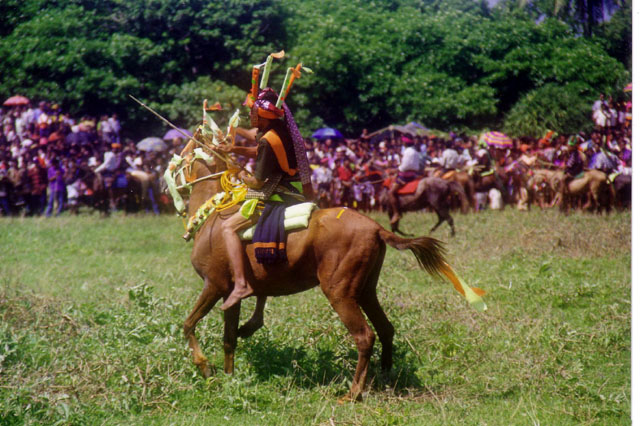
column 622, row 187
column 431, row 192
column 496, row 178
column 592, row 184
column 91, row 191
column 463, row 177
column 132, row 191
column 539, row 188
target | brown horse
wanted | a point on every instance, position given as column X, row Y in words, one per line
column 593, row 185
column 434, row 193
column 342, row 251
column 463, row 177
column 539, row 189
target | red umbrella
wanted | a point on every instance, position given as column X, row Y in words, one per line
column 16, row 100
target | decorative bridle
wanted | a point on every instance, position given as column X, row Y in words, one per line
column 180, row 176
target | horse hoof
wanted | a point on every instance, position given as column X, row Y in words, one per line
column 206, row 370
column 349, row 399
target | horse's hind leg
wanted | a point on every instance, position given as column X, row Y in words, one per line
column 349, row 312
column 343, row 285
column 373, row 310
column 207, row 299
column 256, row 321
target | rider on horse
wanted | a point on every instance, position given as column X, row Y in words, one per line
column 574, row 165
column 408, row 171
column 281, row 176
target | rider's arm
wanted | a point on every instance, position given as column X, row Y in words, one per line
column 245, row 151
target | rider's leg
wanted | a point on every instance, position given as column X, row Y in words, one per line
column 236, row 255
column 394, row 202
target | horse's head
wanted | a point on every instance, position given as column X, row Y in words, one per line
column 194, row 166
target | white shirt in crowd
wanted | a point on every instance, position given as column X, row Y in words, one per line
column 321, row 175
column 110, row 162
column 450, row 159
column 410, row 160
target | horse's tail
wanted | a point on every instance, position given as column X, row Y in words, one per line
column 459, row 190
column 430, row 255
column 427, row 250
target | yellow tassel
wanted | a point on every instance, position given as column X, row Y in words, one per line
column 473, row 295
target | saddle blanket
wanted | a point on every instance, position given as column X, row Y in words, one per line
column 409, row 188
column 295, row 217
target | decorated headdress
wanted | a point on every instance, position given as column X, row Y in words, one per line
column 263, row 98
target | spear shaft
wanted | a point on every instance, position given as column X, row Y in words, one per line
column 173, row 126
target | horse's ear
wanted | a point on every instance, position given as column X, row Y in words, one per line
column 188, row 149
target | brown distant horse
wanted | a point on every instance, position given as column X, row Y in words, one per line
column 539, row 188
column 462, row 177
column 342, row 251
column 434, row 193
column 593, row 184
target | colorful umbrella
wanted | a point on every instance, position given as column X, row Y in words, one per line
column 175, row 134
column 497, row 140
column 627, row 88
column 151, row 144
column 16, row 100
column 327, row 133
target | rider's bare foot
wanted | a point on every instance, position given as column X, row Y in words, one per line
column 395, row 218
column 238, row 293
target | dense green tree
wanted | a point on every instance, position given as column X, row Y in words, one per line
column 441, row 66
column 449, row 64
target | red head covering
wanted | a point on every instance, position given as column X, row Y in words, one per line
column 266, row 104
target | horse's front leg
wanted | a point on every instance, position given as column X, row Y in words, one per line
column 256, row 321
column 231, row 319
column 207, row 299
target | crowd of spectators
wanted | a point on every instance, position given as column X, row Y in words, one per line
column 44, row 154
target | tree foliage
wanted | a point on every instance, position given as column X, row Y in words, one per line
column 91, row 54
column 448, row 64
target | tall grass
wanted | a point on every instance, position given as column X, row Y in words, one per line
column 91, row 315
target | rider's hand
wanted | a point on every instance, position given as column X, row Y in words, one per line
column 223, row 147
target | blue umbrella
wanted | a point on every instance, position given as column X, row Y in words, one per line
column 327, row 133
column 173, row 134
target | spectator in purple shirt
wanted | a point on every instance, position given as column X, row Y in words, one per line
column 55, row 175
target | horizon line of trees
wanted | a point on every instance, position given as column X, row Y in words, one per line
column 448, row 64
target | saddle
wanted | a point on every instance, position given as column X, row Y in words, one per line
column 295, row 217
column 409, row 188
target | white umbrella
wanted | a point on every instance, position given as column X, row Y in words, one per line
column 151, row 143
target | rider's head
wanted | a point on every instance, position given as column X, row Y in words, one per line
column 264, row 109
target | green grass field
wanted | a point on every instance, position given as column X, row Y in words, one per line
column 91, row 314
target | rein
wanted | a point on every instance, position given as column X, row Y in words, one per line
column 193, row 182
